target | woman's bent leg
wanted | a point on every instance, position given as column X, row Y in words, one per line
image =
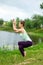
column 21, row 48
column 23, row 45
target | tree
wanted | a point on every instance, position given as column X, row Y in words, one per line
column 41, row 6
column 17, row 20
column 9, row 24
column 28, row 23
column 37, row 20
column 1, row 21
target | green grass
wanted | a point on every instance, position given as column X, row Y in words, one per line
column 35, row 30
column 36, row 34
column 34, row 56
column 6, row 28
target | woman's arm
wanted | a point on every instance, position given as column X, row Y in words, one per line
column 15, row 29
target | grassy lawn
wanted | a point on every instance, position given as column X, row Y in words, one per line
column 36, row 34
column 34, row 56
column 6, row 28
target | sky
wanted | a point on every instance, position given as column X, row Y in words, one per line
column 10, row 9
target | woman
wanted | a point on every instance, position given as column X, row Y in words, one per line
column 27, row 41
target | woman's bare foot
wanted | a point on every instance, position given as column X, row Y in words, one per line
column 24, row 53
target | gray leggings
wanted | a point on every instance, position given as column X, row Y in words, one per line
column 24, row 44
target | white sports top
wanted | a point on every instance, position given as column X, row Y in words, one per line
column 25, row 36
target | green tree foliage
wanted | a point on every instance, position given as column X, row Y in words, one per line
column 1, row 21
column 9, row 24
column 41, row 6
column 17, row 20
column 28, row 23
column 37, row 20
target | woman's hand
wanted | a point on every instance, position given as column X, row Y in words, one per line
column 14, row 22
column 14, row 27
